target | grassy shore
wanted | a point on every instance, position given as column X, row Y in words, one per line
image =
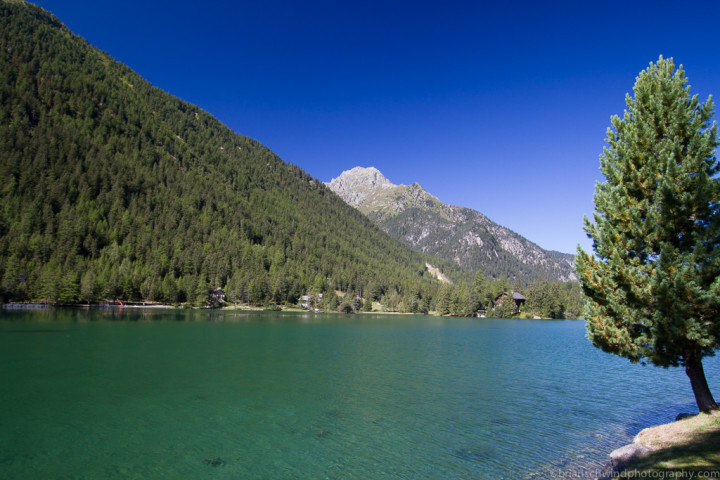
column 687, row 446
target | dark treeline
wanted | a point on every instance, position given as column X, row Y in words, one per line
column 545, row 299
column 114, row 189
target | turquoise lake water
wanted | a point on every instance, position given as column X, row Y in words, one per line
column 172, row 394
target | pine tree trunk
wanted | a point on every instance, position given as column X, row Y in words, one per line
column 696, row 373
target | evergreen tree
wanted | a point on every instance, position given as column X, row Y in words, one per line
column 69, row 289
column 356, row 303
column 444, row 300
column 155, row 293
column 169, row 289
column 652, row 289
column 234, row 289
column 481, row 296
column 202, row 292
column 412, row 304
column 330, row 301
column 10, row 281
column 507, row 307
column 49, row 282
column 460, row 304
column 367, row 305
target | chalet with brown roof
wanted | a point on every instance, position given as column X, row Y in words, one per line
column 517, row 297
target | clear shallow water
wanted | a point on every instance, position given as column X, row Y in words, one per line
column 196, row 394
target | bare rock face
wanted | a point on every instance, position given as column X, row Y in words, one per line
column 356, row 184
column 461, row 235
column 619, row 459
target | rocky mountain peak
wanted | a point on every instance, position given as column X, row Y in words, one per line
column 461, row 235
column 356, row 184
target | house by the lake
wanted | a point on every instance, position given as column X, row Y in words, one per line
column 217, row 295
column 309, row 301
column 518, row 298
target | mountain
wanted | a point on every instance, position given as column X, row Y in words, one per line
column 112, row 188
column 457, row 234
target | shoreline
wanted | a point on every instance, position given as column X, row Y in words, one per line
column 155, row 305
column 247, row 308
column 686, row 446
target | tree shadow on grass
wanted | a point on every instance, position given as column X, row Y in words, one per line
column 700, row 454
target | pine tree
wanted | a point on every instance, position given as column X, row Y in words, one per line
column 481, row 296
column 367, row 305
column 652, row 290
column 169, row 289
column 507, row 307
column 443, row 300
column 69, row 288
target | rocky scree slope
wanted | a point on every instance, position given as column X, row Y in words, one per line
column 458, row 234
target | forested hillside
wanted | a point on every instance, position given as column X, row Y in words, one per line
column 112, row 188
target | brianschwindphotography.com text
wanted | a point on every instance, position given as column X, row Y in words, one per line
column 661, row 475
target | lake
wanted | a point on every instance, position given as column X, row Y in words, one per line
column 106, row 393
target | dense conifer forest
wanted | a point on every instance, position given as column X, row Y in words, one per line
column 112, row 188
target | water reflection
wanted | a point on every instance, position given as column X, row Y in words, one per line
column 85, row 314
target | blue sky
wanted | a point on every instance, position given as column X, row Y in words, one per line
column 502, row 107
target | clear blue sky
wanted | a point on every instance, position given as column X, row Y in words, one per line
column 502, row 107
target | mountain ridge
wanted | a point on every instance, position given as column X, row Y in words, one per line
column 458, row 234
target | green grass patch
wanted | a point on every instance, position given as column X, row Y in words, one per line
column 688, row 445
